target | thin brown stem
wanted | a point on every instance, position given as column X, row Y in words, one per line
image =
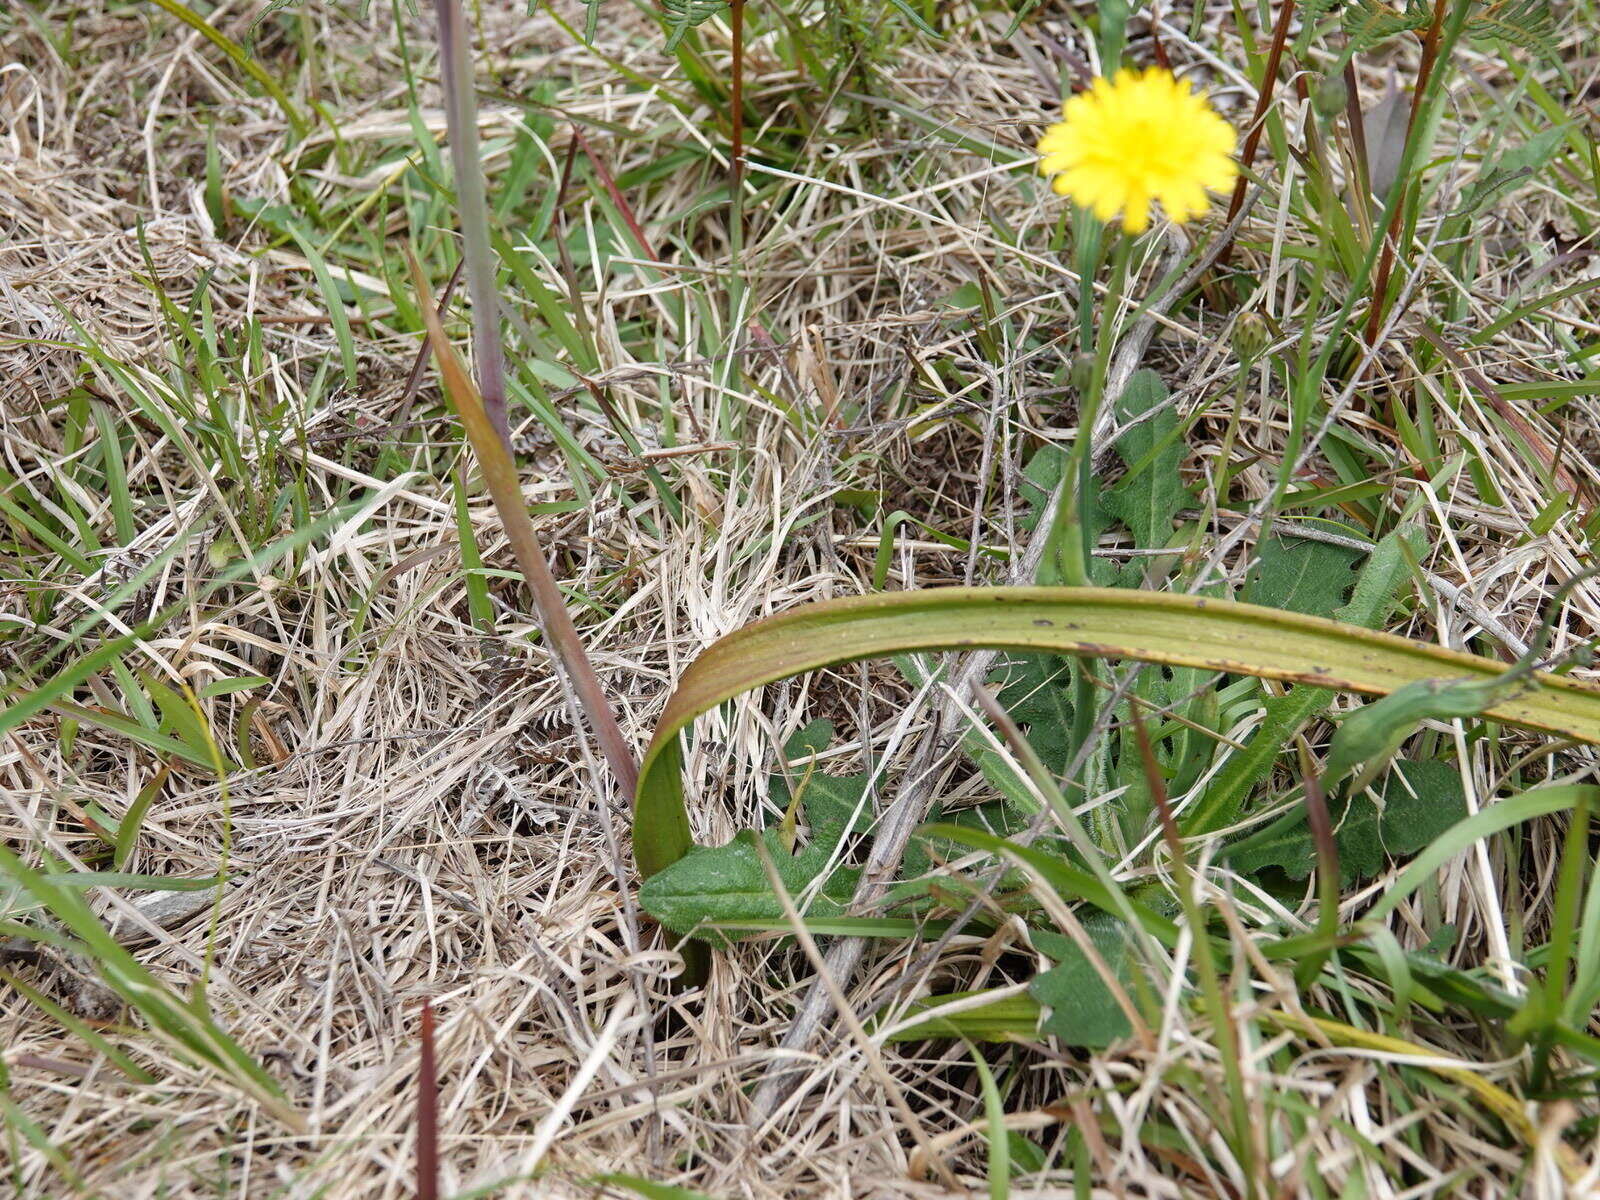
column 617, row 198
column 1320, row 823
column 500, row 476
column 1391, row 237
column 1258, row 122
column 1156, row 48
column 1216, row 995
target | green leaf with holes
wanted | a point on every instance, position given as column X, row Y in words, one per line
column 1294, row 575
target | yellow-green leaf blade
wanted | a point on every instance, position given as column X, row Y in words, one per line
column 1154, row 627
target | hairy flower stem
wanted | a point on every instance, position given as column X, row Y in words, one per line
column 1072, row 536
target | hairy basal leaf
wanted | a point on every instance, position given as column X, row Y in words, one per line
column 1150, row 497
column 1418, row 802
column 1081, row 1009
column 727, row 883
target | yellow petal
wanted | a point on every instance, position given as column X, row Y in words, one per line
column 1139, row 138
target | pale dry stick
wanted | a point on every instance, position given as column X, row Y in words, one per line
column 869, row 1050
column 598, row 1053
column 906, row 812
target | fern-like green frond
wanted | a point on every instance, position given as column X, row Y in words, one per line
column 1529, row 24
column 1368, row 23
column 684, row 15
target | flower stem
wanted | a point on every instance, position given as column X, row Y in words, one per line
column 1072, row 535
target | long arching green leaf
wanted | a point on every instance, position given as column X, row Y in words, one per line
column 1188, row 631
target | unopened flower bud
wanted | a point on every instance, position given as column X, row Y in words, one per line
column 1250, row 337
column 1082, row 377
column 1331, row 96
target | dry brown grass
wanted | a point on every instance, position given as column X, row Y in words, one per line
column 424, row 823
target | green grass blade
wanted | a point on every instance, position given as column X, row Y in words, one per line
column 128, row 727
column 994, row 1111
column 1000, row 1020
column 240, row 59
column 333, row 302
column 76, row 1025
column 191, row 1033
column 21, row 704
column 116, row 476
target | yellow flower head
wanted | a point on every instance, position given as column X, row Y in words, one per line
column 1137, row 138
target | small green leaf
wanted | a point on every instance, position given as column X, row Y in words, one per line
column 1082, row 1010
column 831, row 802
column 1513, row 168
column 1419, row 802
column 726, row 883
column 184, row 720
column 333, row 302
column 125, row 725
column 684, row 15
column 226, row 687
column 1530, row 24
column 1503, row 814
column 1040, row 478
column 1369, row 22
column 1149, row 498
